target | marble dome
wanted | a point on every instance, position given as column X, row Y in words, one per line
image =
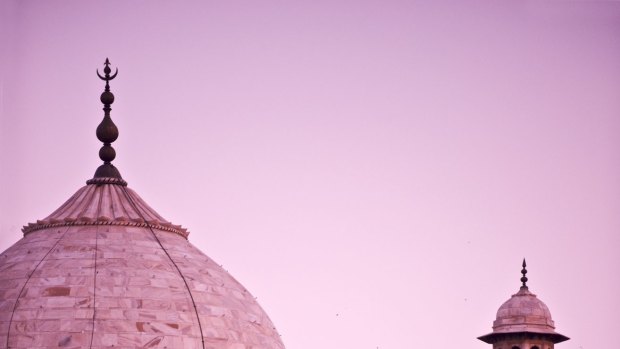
column 523, row 313
column 107, row 271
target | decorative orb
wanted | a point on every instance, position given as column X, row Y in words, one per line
column 107, row 153
column 107, row 97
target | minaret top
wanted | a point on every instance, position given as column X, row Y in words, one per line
column 523, row 272
column 521, row 316
column 107, row 132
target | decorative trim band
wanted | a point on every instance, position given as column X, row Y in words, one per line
column 107, row 180
column 37, row 226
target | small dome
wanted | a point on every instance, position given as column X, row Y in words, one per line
column 523, row 313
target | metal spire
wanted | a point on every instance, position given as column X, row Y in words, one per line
column 524, row 278
column 107, row 132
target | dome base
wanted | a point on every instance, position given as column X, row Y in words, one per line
column 495, row 337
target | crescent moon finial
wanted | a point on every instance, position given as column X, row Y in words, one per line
column 113, row 76
column 107, row 71
column 107, row 132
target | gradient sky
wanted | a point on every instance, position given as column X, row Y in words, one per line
column 372, row 171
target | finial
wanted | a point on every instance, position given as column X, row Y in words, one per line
column 107, row 132
column 524, row 278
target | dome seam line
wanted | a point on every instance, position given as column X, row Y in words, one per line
column 189, row 291
column 8, row 332
column 92, row 330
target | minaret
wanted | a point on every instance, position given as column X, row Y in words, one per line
column 523, row 322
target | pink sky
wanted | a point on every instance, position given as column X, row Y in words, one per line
column 372, row 171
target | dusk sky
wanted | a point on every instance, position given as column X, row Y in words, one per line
column 374, row 172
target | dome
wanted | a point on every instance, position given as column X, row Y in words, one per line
column 105, row 270
column 523, row 313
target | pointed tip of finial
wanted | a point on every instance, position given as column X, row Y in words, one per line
column 107, row 71
column 523, row 272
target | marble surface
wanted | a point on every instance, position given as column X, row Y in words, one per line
column 94, row 285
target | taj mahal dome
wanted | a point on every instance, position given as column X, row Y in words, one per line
column 105, row 270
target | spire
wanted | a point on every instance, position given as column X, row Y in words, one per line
column 107, row 132
column 524, row 271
